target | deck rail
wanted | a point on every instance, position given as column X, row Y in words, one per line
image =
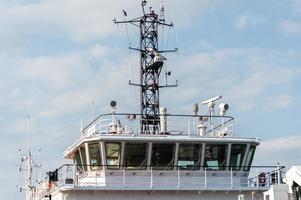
column 193, row 125
column 70, row 176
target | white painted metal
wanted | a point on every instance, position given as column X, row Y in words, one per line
column 277, row 192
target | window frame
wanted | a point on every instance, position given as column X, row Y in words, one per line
column 113, row 167
column 172, row 161
column 92, row 166
column 223, row 166
column 145, row 161
column 196, row 166
column 248, row 164
column 234, row 167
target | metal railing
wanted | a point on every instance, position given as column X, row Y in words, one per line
column 258, row 178
column 127, row 123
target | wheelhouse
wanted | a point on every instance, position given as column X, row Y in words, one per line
column 163, row 153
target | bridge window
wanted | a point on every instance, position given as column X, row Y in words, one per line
column 237, row 155
column 80, row 159
column 249, row 158
column 83, row 156
column 163, row 156
column 189, row 156
column 95, row 156
column 113, row 155
column 135, row 155
column 215, row 156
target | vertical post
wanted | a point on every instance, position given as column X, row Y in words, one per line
column 96, row 177
column 149, row 155
column 205, row 178
column 74, row 175
column 179, row 179
column 124, row 185
column 151, row 183
column 231, row 171
column 122, row 154
column 87, row 157
column 278, row 174
column 176, row 156
column 257, row 178
column 189, row 129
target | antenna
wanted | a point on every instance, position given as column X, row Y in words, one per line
column 27, row 164
column 92, row 110
column 211, row 103
column 212, row 100
column 162, row 13
column 151, row 63
column 81, row 125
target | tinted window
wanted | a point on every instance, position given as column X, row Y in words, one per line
column 237, row 155
column 249, row 158
column 78, row 161
column 189, row 156
column 162, row 156
column 135, row 155
column 95, row 156
column 215, row 156
column 113, row 155
column 83, row 157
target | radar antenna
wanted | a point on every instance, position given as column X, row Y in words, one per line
column 151, row 63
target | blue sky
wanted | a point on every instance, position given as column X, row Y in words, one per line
column 57, row 56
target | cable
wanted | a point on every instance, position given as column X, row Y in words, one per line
column 131, row 71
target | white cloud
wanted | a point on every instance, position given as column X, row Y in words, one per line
column 282, row 144
column 291, row 27
column 283, row 150
column 279, row 102
column 249, row 20
column 243, row 76
column 296, row 5
column 80, row 20
column 241, row 22
column 249, row 92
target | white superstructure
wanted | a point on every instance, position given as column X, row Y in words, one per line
column 112, row 160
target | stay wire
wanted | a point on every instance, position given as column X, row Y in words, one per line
column 131, row 71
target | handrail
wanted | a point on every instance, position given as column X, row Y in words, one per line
column 172, row 179
column 167, row 115
column 179, row 167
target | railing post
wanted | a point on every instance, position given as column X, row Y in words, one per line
column 189, row 131
column 278, row 174
column 74, row 175
column 124, row 177
column 257, row 178
column 151, row 183
column 205, row 178
column 179, row 179
column 96, row 177
column 231, row 171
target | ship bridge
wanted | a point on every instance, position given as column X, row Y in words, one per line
column 112, row 154
column 108, row 143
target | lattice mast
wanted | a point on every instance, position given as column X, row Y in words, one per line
column 151, row 63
